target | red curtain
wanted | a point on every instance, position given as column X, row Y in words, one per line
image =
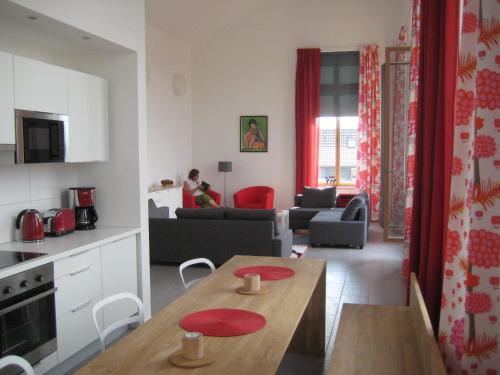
column 434, row 140
column 307, row 99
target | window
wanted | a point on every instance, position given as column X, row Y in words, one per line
column 339, row 118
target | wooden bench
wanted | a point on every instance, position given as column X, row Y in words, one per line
column 386, row 339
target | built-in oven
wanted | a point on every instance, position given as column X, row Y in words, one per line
column 28, row 315
column 41, row 137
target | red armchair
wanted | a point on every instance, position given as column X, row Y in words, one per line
column 189, row 201
column 259, row 197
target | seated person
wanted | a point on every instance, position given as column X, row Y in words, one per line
column 192, row 184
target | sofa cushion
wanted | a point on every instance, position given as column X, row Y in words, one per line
column 252, row 214
column 319, row 198
column 327, row 216
column 200, row 213
column 305, row 213
column 352, row 209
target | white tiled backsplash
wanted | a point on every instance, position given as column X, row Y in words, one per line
column 38, row 186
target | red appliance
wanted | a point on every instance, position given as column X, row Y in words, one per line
column 30, row 222
column 82, row 196
column 82, row 200
column 59, row 221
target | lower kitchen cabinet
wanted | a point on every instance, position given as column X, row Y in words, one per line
column 87, row 281
column 85, row 278
column 76, row 329
column 119, row 274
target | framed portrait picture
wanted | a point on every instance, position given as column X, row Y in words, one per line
column 253, row 134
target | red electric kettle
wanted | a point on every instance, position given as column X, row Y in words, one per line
column 30, row 222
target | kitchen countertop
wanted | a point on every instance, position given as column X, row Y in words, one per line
column 61, row 247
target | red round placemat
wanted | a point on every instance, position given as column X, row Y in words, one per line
column 223, row 322
column 266, row 272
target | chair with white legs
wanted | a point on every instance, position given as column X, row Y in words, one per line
column 14, row 360
column 191, row 263
column 137, row 318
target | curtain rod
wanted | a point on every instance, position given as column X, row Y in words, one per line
column 340, row 49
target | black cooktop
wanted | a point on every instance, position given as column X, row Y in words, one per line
column 9, row 258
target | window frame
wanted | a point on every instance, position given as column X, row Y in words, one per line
column 338, row 160
column 336, row 85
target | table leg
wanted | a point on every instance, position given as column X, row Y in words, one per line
column 309, row 337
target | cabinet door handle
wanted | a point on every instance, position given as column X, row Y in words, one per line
column 80, row 253
column 81, row 306
column 79, row 271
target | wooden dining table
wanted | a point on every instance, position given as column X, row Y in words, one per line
column 294, row 309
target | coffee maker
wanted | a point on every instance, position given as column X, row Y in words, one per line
column 82, row 200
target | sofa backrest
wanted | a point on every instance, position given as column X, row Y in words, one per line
column 253, row 215
column 319, row 197
column 177, row 240
column 200, row 213
column 220, row 213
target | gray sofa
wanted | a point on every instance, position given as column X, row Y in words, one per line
column 217, row 234
column 316, row 211
column 328, row 228
column 305, row 209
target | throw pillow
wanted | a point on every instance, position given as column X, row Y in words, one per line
column 319, row 198
column 200, row 213
column 251, row 214
column 351, row 211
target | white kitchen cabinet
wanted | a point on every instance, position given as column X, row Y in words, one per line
column 170, row 197
column 7, row 123
column 87, row 280
column 76, row 329
column 39, row 86
column 78, row 283
column 88, row 117
column 76, row 262
column 119, row 274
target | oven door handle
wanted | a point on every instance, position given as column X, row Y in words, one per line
column 27, row 301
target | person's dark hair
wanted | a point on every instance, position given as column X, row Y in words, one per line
column 193, row 173
column 252, row 121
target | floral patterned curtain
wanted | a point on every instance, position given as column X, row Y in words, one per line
column 398, row 138
column 368, row 157
column 412, row 120
column 469, row 327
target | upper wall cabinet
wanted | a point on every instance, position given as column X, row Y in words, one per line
column 88, row 117
column 39, row 86
column 7, row 132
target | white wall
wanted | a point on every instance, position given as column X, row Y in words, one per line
column 249, row 68
column 169, row 115
column 37, row 186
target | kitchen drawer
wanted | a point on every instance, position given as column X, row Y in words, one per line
column 78, row 288
column 76, row 262
column 75, row 330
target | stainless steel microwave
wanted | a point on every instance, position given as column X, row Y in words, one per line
column 41, row 137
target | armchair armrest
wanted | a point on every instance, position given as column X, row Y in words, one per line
column 188, row 200
column 267, row 200
column 215, row 196
column 298, row 200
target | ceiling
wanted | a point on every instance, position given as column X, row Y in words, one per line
column 191, row 20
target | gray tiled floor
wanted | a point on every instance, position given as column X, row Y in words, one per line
column 371, row 275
